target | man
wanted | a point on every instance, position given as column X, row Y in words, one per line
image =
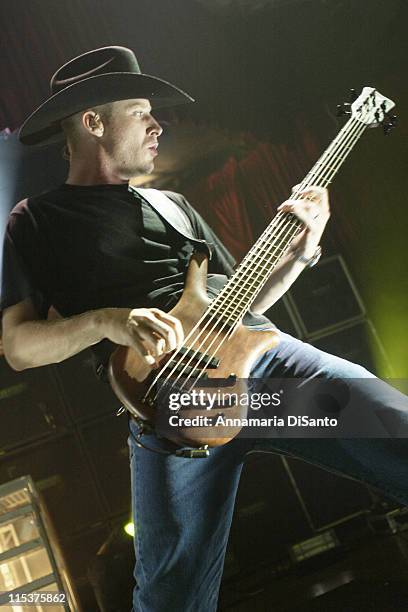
column 112, row 263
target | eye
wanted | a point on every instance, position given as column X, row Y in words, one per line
column 139, row 113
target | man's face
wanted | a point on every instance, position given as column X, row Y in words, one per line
column 131, row 138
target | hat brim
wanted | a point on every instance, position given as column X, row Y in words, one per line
column 43, row 126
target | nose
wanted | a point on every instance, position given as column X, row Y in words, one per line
column 154, row 127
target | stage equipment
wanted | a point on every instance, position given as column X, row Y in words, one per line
column 32, row 569
column 106, row 446
column 283, row 315
column 299, row 512
column 268, row 516
column 85, row 397
column 327, row 308
column 59, row 467
column 318, row 545
column 325, row 298
column 359, row 343
column 389, row 521
column 30, row 405
column 110, row 572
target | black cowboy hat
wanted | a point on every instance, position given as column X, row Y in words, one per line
column 97, row 77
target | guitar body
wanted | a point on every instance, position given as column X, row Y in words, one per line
column 130, row 376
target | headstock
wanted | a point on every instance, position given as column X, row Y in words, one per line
column 370, row 108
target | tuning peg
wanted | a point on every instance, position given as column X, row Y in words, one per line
column 353, row 95
column 343, row 109
column 389, row 123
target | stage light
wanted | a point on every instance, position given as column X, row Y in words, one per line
column 130, row 529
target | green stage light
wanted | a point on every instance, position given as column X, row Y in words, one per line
column 130, row 529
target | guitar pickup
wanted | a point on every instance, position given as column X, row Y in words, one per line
column 187, row 370
column 205, row 360
column 218, row 382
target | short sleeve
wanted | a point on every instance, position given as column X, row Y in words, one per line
column 222, row 262
column 222, row 259
column 21, row 264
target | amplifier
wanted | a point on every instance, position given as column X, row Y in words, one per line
column 359, row 343
column 325, row 296
column 30, row 406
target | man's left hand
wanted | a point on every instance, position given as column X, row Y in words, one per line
column 313, row 210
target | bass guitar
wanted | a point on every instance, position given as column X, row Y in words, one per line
column 218, row 350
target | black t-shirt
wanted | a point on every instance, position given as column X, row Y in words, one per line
column 81, row 248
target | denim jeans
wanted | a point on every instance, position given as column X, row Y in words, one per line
column 183, row 507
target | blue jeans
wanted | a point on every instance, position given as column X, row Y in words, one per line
column 183, row 507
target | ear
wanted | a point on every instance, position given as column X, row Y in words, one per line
column 93, row 123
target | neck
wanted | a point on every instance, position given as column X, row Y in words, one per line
column 90, row 168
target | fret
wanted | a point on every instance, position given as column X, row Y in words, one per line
column 267, row 262
column 331, row 154
column 242, row 284
column 322, row 163
column 326, row 167
column 274, row 249
column 236, row 297
column 239, row 295
column 264, row 259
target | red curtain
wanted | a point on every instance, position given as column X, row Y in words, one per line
column 240, row 199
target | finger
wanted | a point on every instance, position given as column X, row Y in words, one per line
column 315, row 189
column 159, row 338
column 155, row 344
column 294, row 205
column 304, row 211
column 173, row 322
column 154, row 323
column 140, row 348
column 300, row 207
column 317, row 193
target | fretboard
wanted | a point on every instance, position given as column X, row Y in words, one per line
column 245, row 284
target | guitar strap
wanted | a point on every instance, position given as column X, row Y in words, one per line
column 167, row 209
column 171, row 213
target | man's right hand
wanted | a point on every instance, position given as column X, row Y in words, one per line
column 30, row 341
column 149, row 331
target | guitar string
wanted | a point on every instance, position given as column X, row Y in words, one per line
column 309, row 178
column 231, row 331
column 253, row 296
column 334, row 145
column 243, row 298
column 277, row 219
column 268, row 245
column 262, row 238
column 327, row 155
column 265, row 266
column 331, row 152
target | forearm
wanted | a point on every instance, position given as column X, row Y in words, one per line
column 39, row 343
column 278, row 283
column 311, row 207
column 29, row 343
column 305, row 244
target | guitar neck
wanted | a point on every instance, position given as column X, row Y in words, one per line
column 274, row 243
